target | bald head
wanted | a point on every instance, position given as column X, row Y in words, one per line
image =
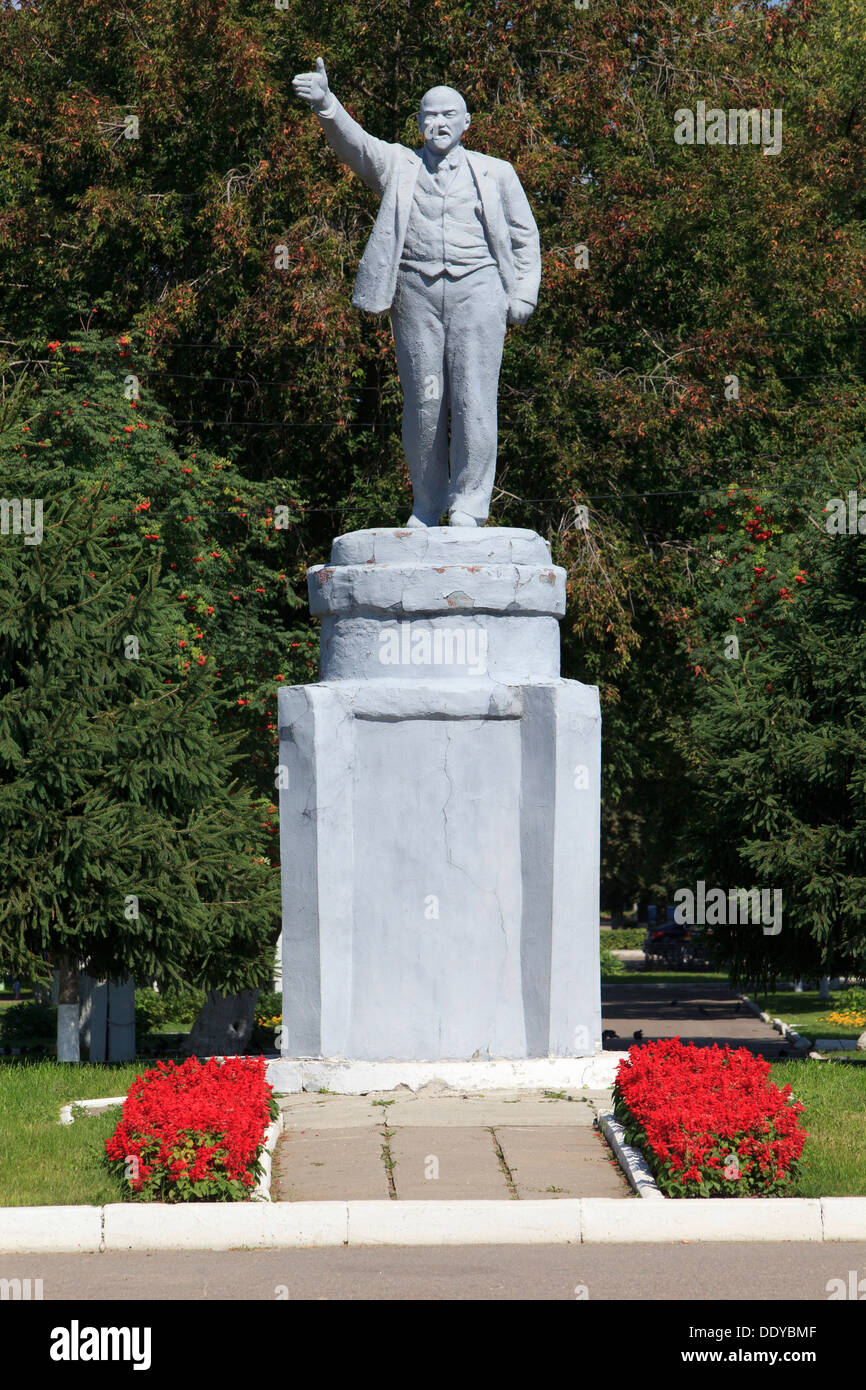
column 442, row 119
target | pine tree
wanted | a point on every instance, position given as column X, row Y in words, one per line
column 128, row 845
column 776, row 740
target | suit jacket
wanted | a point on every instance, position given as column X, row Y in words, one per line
column 391, row 170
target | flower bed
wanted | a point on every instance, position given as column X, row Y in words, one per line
column 708, row 1120
column 194, row 1131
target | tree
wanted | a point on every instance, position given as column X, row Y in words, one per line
column 128, row 845
column 775, row 740
column 158, row 177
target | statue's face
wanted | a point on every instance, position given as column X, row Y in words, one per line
column 442, row 119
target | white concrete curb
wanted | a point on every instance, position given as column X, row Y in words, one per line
column 607, row 1220
column 50, row 1230
column 795, row 1038
column 844, row 1218
column 631, row 1160
column 272, row 1134
column 67, row 1117
column 496, row 1222
column 224, row 1225
column 301, row 1225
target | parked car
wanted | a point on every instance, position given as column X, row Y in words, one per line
column 676, row 947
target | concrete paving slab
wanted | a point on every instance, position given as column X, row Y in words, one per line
column 440, row 1106
column 456, row 1163
column 328, row 1112
column 559, row 1163
column 319, row 1165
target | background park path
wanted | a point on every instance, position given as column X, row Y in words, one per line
column 705, row 1014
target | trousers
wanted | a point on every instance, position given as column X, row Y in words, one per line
column 448, row 335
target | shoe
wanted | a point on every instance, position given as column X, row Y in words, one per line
column 457, row 518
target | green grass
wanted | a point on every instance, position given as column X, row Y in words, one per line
column 834, row 1157
column 804, row 1013
column 44, row 1163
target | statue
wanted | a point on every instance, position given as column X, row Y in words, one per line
column 454, row 256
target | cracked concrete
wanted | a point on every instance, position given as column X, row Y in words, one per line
column 445, row 1146
column 440, row 858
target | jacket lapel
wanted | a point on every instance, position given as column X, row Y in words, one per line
column 491, row 205
column 407, row 177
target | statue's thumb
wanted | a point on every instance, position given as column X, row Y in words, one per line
column 320, row 66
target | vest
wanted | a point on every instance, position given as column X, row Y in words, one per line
column 445, row 231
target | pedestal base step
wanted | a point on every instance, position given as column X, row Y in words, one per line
column 357, row 1078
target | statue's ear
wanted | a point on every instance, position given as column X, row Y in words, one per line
column 467, row 121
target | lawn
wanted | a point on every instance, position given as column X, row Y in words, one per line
column 807, row 1014
column 43, row 1163
column 834, row 1158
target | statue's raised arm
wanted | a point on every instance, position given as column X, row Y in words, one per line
column 313, row 86
column 454, row 257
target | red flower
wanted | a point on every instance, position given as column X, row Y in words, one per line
column 692, row 1109
column 201, row 1123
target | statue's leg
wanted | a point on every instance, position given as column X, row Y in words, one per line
column 476, row 310
column 419, row 340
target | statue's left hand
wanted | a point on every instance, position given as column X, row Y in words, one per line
column 519, row 311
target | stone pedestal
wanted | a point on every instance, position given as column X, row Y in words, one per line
column 439, row 815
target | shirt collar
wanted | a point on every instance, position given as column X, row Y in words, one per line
column 451, row 161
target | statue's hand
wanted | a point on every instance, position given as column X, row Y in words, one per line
column 313, row 86
column 519, row 311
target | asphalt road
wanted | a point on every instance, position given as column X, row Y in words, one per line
column 695, row 1273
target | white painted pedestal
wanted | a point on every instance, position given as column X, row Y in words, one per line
column 439, row 823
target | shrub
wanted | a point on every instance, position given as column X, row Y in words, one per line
column 24, row 1024
column 269, row 1004
column 610, row 964
column 193, row 1131
column 151, row 1010
column 624, row 938
column 184, row 1005
column 708, row 1120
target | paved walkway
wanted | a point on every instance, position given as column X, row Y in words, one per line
column 706, row 1014
column 438, row 1144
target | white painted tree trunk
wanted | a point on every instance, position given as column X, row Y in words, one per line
column 68, row 1045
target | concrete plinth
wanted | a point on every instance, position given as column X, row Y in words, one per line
column 439, row 808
